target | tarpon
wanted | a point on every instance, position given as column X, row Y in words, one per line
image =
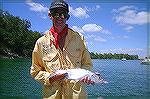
column 77, row 74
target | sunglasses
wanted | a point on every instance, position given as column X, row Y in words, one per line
column 62, row 15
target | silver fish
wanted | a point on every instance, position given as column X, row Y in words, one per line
column 77, row 74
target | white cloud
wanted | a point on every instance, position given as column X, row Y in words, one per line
column 99, row 39
column 129, row 16
column 44, row 16
column 78, row 29
column 79, row 12
column 124, row 8
column 90, row 36
column 106, row 31
column 95, row 38
column 37, row 7
column 125, row 37
column 92, row 28
column 95, row 8
column 120, row 37
column 128, row 28
column 95, row 28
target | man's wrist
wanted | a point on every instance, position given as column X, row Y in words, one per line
column 51, row 77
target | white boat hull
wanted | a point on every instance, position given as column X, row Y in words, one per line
column 145, row 62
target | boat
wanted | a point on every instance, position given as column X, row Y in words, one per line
column 145, row 61
column 123, row 59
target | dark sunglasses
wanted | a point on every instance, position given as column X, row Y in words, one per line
column 60, row 15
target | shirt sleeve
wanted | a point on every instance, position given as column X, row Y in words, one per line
column 86, row 61
column 37, row 69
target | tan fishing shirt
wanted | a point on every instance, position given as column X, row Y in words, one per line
column 46, row 59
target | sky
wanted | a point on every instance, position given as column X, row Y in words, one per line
column 108, row 26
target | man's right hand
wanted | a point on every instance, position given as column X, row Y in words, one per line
column 57, row 77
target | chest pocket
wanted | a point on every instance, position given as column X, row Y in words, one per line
column 50, row 57
column 74, row 47
column 49, row 50
column 75, row 57
column 76, row 53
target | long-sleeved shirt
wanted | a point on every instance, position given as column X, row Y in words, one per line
column 46, row 59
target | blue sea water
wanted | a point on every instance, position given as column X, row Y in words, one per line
column 126, row 80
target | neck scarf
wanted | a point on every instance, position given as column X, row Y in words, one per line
column 59, row 36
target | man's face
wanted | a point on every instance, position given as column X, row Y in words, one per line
column 59, row 18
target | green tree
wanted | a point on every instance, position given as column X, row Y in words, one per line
column 15, row 35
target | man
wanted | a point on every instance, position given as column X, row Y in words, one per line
column 60, row 48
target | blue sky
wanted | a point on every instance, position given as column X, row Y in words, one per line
column 108, row 27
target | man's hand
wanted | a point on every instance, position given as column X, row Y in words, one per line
column 57, row 77
column 86, row 79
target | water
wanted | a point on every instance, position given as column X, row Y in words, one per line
column 15, row 80
column 126, row 80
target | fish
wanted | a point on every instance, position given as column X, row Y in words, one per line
column 77, row 74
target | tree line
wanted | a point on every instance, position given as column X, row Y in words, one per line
column 15, row 35
column 113, row 56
